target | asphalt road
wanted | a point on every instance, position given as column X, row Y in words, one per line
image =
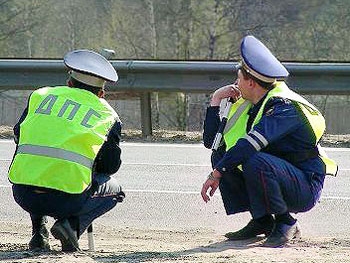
column 162, row 184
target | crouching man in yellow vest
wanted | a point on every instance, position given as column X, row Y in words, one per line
column 270, row 163
column 67, row 149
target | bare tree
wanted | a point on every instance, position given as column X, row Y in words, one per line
column 18, row 19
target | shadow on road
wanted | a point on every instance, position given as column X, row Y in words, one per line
column 176, row 255
column 226, row 244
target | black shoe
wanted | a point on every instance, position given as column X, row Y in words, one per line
column 281, row 234
column 40, row 240
column 252, row 230
column 63, row 231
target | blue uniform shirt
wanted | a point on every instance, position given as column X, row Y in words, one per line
column 288, row 133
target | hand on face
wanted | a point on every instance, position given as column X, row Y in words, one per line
column 228, row 91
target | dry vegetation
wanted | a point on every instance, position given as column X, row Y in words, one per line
column 328, row 140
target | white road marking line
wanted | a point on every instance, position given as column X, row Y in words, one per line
column 335, row 198
column 168, row 145
column 170, row 164
column 183, row 145
column 331, row 149
column 163, row 192
column 195, row 193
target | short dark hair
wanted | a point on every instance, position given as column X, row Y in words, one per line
column 80, row 85
column 247, row 75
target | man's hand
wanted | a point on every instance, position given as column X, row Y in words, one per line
column 228, row 91
column 213, row 183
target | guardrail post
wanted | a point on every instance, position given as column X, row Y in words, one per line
column 146, row 116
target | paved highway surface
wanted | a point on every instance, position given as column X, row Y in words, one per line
column 162, row 184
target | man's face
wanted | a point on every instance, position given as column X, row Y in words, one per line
column 244, row 85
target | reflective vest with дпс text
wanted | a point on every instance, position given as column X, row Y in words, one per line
column 238, row 118
column 60, row 138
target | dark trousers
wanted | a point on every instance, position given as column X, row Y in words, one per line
column 79, row 209
column 270, row 185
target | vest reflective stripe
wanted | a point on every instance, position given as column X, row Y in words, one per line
column 238, row 118
column 237, row 125
column 55, row 153
column 260, row 137
column 244, row 104
column 253, row 142
column 256, row 139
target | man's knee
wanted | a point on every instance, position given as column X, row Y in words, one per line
column 256, row 163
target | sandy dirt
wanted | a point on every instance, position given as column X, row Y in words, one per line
column 166, row 245
column 328, row 140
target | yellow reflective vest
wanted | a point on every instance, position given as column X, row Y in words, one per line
column 238, row 118
column 60, row 138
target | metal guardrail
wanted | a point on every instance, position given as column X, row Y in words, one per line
column 173, row 76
